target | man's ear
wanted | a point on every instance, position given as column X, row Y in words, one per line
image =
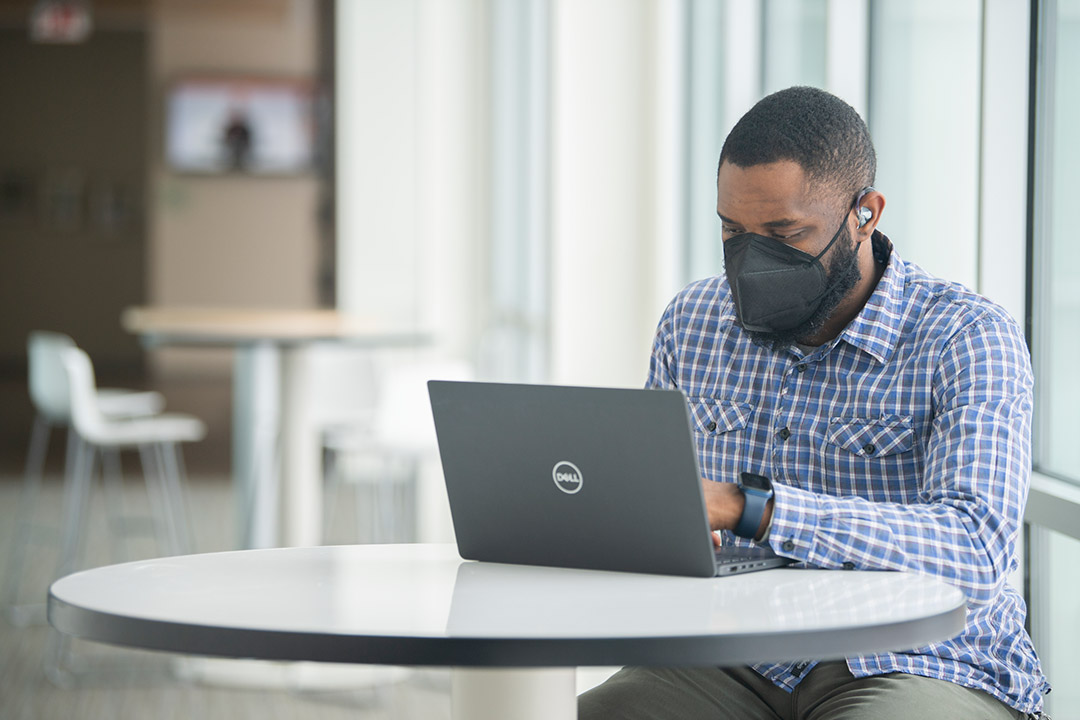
column 869, row 206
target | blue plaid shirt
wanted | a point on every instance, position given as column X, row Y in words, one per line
column 903, row 444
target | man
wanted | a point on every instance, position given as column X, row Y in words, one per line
column 852, row 412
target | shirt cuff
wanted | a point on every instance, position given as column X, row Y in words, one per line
column 793, row 529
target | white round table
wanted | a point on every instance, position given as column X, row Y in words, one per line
column 423, row 605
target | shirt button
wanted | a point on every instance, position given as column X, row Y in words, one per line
column 849, row 565
column 784, row 433
column 801, row 367
column 711, row 427
column 788, row 545
column 869, row 448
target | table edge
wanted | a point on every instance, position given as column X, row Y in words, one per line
column 451, row 651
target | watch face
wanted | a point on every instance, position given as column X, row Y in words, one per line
column 755, row 482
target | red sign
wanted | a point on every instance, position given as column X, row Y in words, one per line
column 60, row 21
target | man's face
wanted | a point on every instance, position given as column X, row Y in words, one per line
column 776, row 201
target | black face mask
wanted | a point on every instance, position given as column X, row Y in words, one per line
column 774, row 286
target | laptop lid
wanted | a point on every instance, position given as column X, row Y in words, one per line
column 594, row 478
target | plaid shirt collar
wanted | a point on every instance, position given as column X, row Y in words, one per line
column 878, row 326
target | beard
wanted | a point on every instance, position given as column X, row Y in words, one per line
column 843, row 275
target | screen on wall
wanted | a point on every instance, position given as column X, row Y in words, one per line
column 239, row 125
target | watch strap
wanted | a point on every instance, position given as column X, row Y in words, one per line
column 753, row 511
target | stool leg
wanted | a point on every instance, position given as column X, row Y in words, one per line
column 384, row 503
column 112, row 479
column 407, row 505
column 57, row 649
column 76, row 497
column 188, row 532
column 153, row 473
column 173, row 464
column 79, row 475
column 35, row 462
column 331, row 484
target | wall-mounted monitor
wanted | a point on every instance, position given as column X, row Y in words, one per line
column 258, row 126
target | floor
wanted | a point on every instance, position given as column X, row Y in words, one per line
column 110, row 683
column 117, row 684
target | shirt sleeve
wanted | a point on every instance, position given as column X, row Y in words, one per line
column 661, row 362
column 971, row 498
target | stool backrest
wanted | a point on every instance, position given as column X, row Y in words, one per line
column 86, row 417
column 403, row 419
column 344, row 386
column 48, row 379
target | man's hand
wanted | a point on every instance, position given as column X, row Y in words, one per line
column 724, row 503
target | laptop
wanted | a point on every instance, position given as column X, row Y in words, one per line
column 578, row 477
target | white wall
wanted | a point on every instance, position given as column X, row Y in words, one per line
column 412, row 165
column 413, row 185
column 376, row 125
column 606, row 191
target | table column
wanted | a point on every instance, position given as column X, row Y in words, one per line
column 301, row 462
column 256, row 413
column 514, row 694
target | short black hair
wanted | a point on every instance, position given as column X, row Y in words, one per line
column 811, row 127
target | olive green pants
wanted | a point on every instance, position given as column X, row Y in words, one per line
column 828, row 692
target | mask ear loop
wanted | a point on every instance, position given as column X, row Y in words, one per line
column 864, row 215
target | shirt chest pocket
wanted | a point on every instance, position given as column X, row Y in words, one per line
column 715, row 417
column 862, row 454
column 866, row 437
column 720, row 435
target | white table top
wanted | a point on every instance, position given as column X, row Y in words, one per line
column 238, row 326
column 423, row 605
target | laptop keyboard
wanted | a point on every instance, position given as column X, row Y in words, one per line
column 727, row 556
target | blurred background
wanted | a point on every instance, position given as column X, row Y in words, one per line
column 522, row 184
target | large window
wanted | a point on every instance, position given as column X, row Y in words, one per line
column 925, row 125
column 739, row 52
column 1054, row 507
column 1055, row 616
column 1056, row 291
column 794, row 41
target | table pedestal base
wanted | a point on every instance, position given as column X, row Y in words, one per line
column 514, row 694
column 286, row 674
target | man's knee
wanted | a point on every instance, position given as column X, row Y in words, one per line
column 900, row 695
column 629, row 694
column 670, row 693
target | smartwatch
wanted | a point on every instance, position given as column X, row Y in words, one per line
column 757, row 489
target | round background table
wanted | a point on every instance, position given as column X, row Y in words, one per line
column 514, row 634
column 271, row 403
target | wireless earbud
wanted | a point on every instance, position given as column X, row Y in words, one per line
column 864, row 215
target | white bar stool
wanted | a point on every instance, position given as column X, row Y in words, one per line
column 381, row 456
column 157, row 440
column 50, row 398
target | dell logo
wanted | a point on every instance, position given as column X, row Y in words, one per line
column 567, row 477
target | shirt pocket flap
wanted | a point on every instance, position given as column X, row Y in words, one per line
column 868, row 437
column 712, row 416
